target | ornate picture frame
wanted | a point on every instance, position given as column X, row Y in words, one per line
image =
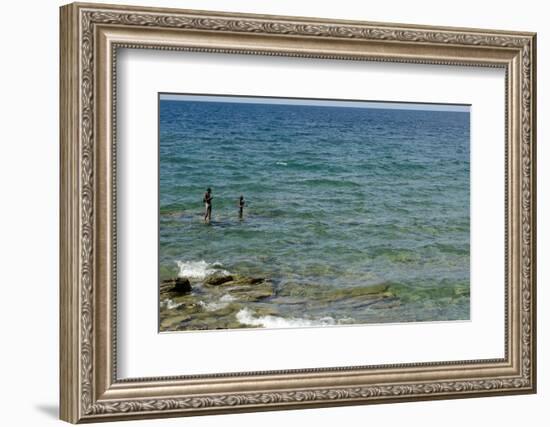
column 90, row 37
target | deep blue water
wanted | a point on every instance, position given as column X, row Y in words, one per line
column 336, row 198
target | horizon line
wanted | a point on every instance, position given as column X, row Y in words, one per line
column 318, row 102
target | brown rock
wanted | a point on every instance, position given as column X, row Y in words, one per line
column 218, row 279
column 179, row 285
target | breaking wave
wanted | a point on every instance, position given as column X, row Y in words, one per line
column 169, row 304
column 217, row 305
column 246, row 317
column 199, row 269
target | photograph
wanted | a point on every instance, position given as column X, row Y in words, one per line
column 291, row 212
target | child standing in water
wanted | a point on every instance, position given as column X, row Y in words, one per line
column 241, row 206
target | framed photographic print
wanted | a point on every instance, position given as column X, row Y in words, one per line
column 355, row 212
column 265, row 212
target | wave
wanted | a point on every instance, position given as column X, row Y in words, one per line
column 246, row 317
column 281, row 163
column 199, row 269
column 169, row 304
column 223, row 302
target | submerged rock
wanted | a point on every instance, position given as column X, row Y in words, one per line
column 242, row 288
column 221, row 318
column 243, row 280
column 248, row 289
column 170, row 323
column 315, row 292
column 256, row 292
column 179, row 285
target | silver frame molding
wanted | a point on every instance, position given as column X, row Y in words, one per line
column 90, row 37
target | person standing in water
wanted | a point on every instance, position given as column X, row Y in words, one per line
column 241, row 206
column 207, row 199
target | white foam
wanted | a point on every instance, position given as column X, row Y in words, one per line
column 198, row 269
column 227, row 298
column 246, row 317
column 281, row 163
column 217, row 305
column 169, row 304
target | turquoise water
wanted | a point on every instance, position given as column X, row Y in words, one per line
column 336, row 198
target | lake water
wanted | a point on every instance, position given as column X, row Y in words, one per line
column 338, row 200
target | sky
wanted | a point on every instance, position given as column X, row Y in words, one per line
column 317, row 102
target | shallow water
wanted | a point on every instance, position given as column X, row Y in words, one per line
column 337, row 198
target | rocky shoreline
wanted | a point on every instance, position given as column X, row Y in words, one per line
column 216, row 301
